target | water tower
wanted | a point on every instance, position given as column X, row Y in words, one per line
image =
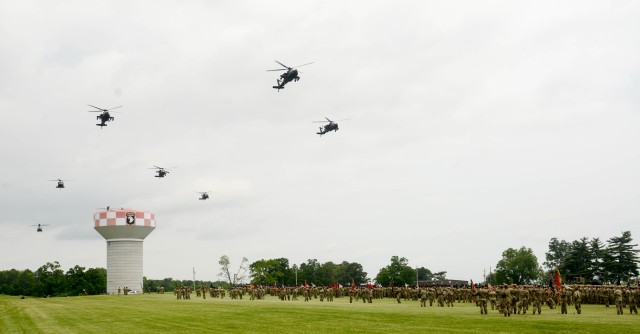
column 124, row 230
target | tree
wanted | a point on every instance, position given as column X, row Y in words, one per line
column 348, row 271
column 309, row 272
column 596, row 254
column 399, row 271
column 327, row 273
column 51, row 279
column 76, row 283
column 425, row 274
column 621, row 257
column 269, row 272
column 577, row 262
column 556, row 255
column 440, row 275
column 518, row 266
column 225, row 270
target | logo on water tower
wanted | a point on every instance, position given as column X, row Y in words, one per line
column 131, row 218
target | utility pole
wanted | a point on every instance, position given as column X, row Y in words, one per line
column 484, row 275
column 194, row 278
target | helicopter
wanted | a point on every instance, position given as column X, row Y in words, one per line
column 60, row 184
column 204, row 195
column 291, row 74
column 332, row 126
column 162, row 172
column 39, row 229
column 105, row 116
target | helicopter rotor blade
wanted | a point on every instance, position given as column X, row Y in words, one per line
column 320, row 122
column 304, row 64
column 285, row 66
column 114, row 108
column 280, row 69
column 97, row 107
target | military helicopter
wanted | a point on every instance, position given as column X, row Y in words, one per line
column 162, row 172
column 60, row 184
column 204, row 195
column 40, row 227
column 291, row 74
column 332, row 126
column 105, row 116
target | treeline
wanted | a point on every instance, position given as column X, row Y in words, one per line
column 615, row 261
column 278, row 271
column 51, row 280
column 169, row 284
column 399, row 273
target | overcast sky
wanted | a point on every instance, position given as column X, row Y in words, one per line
column 474, row 126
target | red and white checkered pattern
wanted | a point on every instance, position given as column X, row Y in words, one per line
column 119, row 218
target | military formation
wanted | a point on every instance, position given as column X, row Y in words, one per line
column 505, row 299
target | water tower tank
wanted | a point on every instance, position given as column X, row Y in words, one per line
column 124, row 230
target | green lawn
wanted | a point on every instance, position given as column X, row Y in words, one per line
column 164, row 314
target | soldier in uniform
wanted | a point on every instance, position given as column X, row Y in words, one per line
column 423, row 297
column 618, row 295
column 538, row 296
column 493, row 296
column 481, row 299
column 565, row 299
column 633, row 301
column 577, row 300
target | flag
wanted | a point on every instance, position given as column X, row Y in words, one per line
column 305, row 284
column 353, row 284
column 473, row 285
column 558, row 282
column 551, row 281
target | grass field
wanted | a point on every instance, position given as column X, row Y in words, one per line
column 164, row 314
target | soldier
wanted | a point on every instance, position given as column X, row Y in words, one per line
column 481, row 299
column 423, row 297
column 538, row 296
column 505, row 302
column 618, row 295
column 633, row 301
column 118, row 290
column 577, row 300
column 493, row 296
column 565, row 299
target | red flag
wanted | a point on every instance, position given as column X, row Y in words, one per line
column 353, row 284
column 305, row 284
column 558, row 282
column 473, row 285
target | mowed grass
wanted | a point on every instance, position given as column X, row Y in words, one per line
column 164, row 314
